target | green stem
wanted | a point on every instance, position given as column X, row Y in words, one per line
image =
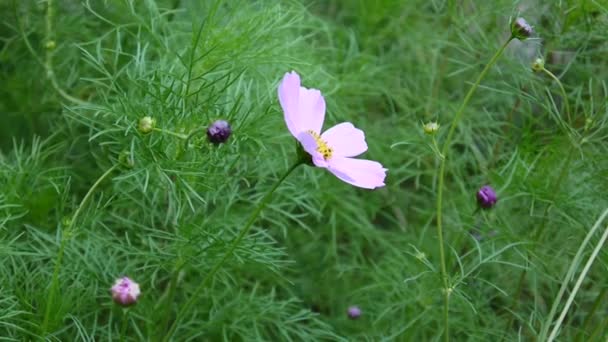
column 235, row 243
column 599, row 299
column 48, row 61
column 170, row 296
column 569, row 276
column 444, row 153
column 177, row 135
column 561, row 87
column 579, row 281
column 65, row 235
column 125, row 324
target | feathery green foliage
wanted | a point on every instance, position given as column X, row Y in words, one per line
column 75, row 81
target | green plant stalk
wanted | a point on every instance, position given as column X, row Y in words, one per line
column 563, row 90
column 170, row 295
column 570, row 275
column 177, row 135
column 599, row 299
column 580, row 279
column 48, row 61
column 184, row 310
column 125, row 324
column 65, row 234
column 444, row 152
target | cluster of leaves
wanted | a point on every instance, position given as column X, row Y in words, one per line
column 320, row 245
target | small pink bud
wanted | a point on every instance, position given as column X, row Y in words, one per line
column 125, row 291
column 354, row 312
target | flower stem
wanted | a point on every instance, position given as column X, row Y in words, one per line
column 561, row 87
column 184, row 310
column 444, row 153
column 177, row 135
column 125, row 324
column 568, row 277
column 65, row 235
column 579, row 281
column 171, row 295
column 47, row 63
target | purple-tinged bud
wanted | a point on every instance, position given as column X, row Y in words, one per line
column 486, row 197
column 219, row 132
column 125, row 291
column 354, row 312
column 520, row 29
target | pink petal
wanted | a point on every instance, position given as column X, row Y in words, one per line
column 363, row 173
column 345, row 140
column 289, row 93
column 312, row 110
column 310, row 145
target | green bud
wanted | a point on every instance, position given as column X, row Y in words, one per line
column 126, row 159
column 146, row 125
column 538, row 65
column 430, row 128
column 50, row 45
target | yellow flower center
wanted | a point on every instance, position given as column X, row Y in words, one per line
column 322, row 146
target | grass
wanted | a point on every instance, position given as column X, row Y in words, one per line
column 169, row 211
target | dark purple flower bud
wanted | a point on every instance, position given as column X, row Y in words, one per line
column 219, row 132
column 520, row 29
column 486, row 197
column 354, row 312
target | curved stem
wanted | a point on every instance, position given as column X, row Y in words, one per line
column 444, row 153
column 235, row 243
column 561, row 87
column 65, row 235
column 47, row 63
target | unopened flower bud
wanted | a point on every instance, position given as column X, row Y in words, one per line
column 430, row 128
column 538, row 65
column 520, row 29
column 219, row 132
column 146, row 125
column 125, row 291
column 354, row 312
column 126, row 159
column 50, row 45
column 486, row 197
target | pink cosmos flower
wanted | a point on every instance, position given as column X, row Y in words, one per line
column 333, row 149
column 125, row 291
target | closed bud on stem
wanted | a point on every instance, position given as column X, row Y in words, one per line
column 354, row 312
column 219, row 132
column 50, row 45
column 430, row 128
column 520, row 29
column 146, row 125
column 538, row 65
column 486, row 197
column 125, row 291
